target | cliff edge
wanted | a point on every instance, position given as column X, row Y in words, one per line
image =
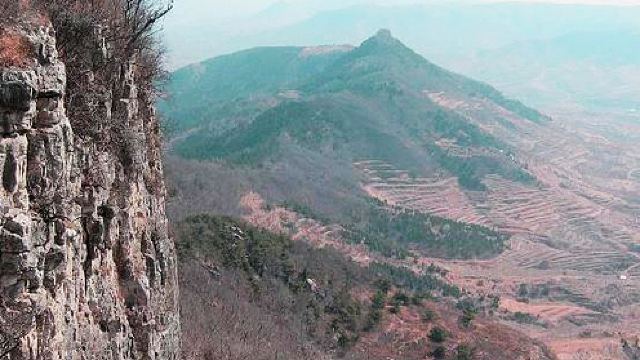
column 87, row 269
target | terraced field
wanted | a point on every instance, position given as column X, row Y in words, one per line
column 438, row 196
column 551, row 216
column 577, row 228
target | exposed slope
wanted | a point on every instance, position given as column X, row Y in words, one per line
column 248, row 292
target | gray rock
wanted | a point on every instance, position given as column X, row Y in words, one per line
column 74, row 216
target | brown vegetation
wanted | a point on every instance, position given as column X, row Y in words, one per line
column 14, row 49
column 245, row 296
column 111, row 56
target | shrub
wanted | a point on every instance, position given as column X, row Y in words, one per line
column 101, row 42
column 467, row 318
column 384, row 285
column 373, row 319
column 524, row 318
column 378, row 300
column 438, row 335
column 463, row 352
column 416, row 299
column 401, row 299
column 523, row 291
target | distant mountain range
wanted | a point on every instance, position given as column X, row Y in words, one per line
column 470, row 39
column 595, row 71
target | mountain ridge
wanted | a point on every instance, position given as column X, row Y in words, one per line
column 377, row 93
column 391, row 159
column 376, row 101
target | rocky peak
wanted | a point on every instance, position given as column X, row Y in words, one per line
column 384, row 35
column 87, row 269
column 383, row 48
column 383, row 41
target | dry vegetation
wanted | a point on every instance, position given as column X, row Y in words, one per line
column 245, row 296
column 15, row 50
column 100, row 43
column 109, row 48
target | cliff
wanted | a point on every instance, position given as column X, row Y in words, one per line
column 87, row 269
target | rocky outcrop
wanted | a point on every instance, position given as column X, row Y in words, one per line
column 87, row 270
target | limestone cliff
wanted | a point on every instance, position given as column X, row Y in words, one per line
column 87, row 269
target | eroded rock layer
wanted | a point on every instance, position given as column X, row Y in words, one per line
column 87, row 269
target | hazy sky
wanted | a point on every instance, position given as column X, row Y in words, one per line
column 220, row 9
column 237, row 7
column 199, row 29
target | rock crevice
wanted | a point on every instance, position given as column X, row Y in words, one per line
column 86, row 263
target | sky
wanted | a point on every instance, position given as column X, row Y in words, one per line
column 226, row 8
column 198, row 29
column 229, row 9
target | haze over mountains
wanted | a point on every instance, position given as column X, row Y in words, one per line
column 376, row 101
column 390, row 160
column 336, row 195
column 473, row 39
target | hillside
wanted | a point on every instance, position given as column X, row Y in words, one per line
column 388, row 158
column 247, row 292
column 222, row 86
column 374, row 114
column 372, row 102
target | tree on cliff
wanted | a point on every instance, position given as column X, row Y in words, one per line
column 111, row 54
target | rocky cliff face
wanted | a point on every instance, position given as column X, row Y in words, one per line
column 87, row 270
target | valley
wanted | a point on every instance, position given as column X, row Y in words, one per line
column 393, row 161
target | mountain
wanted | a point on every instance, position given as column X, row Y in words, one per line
column 594, row 70
column 392, row 161
column 205, row 88
column 473, row 39
column 372, row 102
column 376, row 102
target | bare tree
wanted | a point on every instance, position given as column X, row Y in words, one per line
column 105, row 43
